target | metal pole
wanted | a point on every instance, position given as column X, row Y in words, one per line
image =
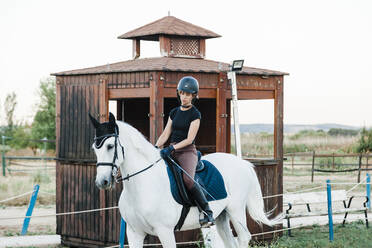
column 3, row 154
column 312, row 167
column 330, row 218
column 26, row 221
column 368, row 189
column 234, row 94
column 122, row 233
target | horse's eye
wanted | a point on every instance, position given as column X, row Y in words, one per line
column 109, row 147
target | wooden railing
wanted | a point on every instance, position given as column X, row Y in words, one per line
column 363, row 162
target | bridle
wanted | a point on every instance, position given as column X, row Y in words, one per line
column 114, row 167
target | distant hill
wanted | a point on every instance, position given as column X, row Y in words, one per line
column 289, row 128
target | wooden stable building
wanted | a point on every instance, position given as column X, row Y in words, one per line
column 145, row 91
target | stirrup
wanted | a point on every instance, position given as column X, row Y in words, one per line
column 207, row 221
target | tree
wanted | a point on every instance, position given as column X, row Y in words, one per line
column 365, row 141
column 44, row 121
column 9, row 107
column 21, row 136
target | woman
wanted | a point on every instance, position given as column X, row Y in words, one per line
column 182, row 127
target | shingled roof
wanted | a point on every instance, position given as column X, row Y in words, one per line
column 168, row 25
column 169, row 64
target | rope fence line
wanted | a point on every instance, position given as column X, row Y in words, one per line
column 24, row 194
column 300, row 191
column 362, row 182
column 280, row 230
column 58, row 214
column 15, row 197
column 47, row 193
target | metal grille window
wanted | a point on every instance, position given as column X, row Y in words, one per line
column 184, row 46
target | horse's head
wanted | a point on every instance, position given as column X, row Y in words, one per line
column 108, row 150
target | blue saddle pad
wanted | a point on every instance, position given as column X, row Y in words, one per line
column 211, row 179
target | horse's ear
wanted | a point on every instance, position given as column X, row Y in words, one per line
column 94, row 121
column 111, row 118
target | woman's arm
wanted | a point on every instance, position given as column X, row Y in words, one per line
column 193, row 130
column 165, row 134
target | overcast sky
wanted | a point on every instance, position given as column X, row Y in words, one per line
column 326, row 46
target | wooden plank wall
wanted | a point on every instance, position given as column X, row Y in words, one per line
column 78, row 192
column 129, row 80
column 79, row 95
column 267, row 176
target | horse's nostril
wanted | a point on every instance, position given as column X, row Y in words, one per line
column 105, row 182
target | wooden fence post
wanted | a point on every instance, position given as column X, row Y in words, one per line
column 333, row 160
column 312, row 167
column 360, row 166
column 367, row 163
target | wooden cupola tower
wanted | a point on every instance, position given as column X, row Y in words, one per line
column 177, row 38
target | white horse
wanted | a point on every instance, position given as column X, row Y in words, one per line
column 147, row 204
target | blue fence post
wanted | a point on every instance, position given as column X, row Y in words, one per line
column 122, row 233
column 330, row 218
column 368, row 189
column 26, row 222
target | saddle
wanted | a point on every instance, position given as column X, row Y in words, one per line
column 206, row 175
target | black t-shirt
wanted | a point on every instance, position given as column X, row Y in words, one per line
column 181, row 121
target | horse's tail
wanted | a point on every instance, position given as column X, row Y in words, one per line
column 255, row 203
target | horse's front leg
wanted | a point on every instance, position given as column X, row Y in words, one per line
column 135, row 238
column 166, row 236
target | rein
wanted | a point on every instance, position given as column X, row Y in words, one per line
column 114, row 167
column 138, row 172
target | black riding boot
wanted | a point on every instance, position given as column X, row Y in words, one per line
column 202, row 203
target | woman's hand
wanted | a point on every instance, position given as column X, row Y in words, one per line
column 166, row 152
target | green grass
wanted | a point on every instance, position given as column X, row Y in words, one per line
column 352, row 235
column 14, row 185
column 263, row 143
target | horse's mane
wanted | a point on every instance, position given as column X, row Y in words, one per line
column 136, row 139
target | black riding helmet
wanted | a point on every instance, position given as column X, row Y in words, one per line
column 188, row 84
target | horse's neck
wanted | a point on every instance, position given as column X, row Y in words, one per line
column 147, row 183
column 140, row 154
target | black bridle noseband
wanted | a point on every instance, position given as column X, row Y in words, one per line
column 114, row 167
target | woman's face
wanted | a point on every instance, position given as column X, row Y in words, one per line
column 185, row 97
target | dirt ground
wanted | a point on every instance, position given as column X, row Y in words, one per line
column 13, row 227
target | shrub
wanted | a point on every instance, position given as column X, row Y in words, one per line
column 365, row 141
column 40, row 177
column 292, row 148
column 342, row 132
